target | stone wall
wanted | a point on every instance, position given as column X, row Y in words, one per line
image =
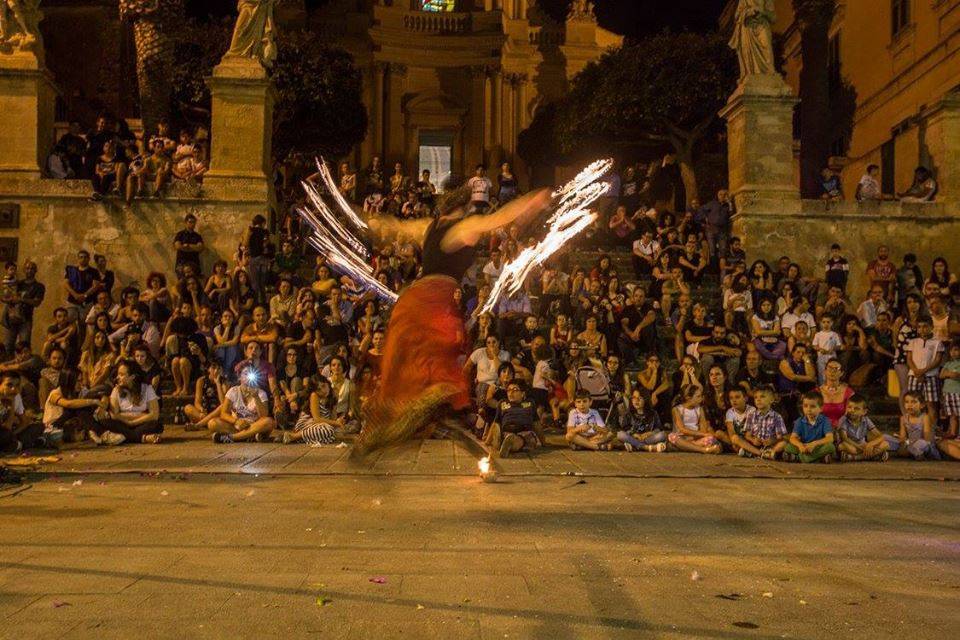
column 928, row 230
column 56, row 220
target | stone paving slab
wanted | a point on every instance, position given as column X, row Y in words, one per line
column 193, row 453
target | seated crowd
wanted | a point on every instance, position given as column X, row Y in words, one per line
column 120, row 164
column 769, row 362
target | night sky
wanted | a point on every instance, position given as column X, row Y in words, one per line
column 635, row 18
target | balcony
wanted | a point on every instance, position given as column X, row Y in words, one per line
column 437, row 23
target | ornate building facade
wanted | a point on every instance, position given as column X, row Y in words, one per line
column 450, row 84
column 902, row 57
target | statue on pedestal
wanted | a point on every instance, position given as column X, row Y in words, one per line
column 581, row 10
column 253, row 35
column 20, row 26
column 753, row 37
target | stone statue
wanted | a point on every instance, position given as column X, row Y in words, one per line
column 253, row 35
column 581, row 10
column 753, row 37
column 20, row 25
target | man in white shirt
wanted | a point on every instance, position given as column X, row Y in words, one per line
column 480, row 186
column 645, row 252
column 492, row 269
column 871, row 307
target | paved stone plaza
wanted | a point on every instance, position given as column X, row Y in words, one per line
column 188, row 539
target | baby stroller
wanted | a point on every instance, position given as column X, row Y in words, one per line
column 596, row 382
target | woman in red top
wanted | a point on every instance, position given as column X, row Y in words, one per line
column 835, row 392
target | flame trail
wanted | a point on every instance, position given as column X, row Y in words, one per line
column 334, row 241
column 571, row 217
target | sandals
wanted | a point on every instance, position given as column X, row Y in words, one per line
column 151, row 438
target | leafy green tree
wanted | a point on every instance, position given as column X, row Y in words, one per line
column 319, row 108
column 661, row 91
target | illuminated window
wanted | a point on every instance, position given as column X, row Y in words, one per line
column 437, row 5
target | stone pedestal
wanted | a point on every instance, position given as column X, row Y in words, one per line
column 943, row 143
column 27, row 103
column 241, row 128
column 759, row 119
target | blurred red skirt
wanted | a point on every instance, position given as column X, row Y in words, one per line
column 420, row 370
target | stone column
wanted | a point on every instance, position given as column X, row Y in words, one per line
column 241, row 97
column 27, row 102
column 496, row 128
column 759, row 119
column 943, row 143
column 394, row 134
column 380, row 70
column 475, row 147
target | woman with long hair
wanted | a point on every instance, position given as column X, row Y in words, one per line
column 132, row 413
column 96, row 362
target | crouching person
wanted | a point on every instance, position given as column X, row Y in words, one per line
column 812, row 439
column 244, row 414
column 132, row 411
column 515, row 427
column 765, row 433
column 639, row 425
column 18, row 430
column 859, row 437
column 585, row 427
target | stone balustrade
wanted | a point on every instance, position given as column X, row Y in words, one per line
column 440, row 23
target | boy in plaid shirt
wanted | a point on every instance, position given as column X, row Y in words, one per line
column 764, row 428
column 924, row 356
column 950, row 374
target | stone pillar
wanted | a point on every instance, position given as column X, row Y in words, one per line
column 496, row 128
column 759, row 119
column 241, row 97
column 27, row 99
column 394, row 135
column 379, row 78
column 943, row 142
column 475, row 148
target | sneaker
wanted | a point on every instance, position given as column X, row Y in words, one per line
column 112, row 439
column 884, row 456
column 628, row 447
column 222, row 438
column 506, row 447
column 94, row 438
column 661, row 447
column 743, row 453
column 827, row 459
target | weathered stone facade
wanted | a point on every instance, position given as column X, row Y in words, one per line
column 928, row 230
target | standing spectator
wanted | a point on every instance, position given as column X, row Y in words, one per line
column 838, row 269
column 102, row 133
column 480, row 187
column 255, row 243
column 715, row 217
column 373, row 179
column 868, row 189
column 16, row 321
column 426, row 189
column 79, row 282
column 882, row 272
column 348, row 182
column 508, row 188
column 188, row 244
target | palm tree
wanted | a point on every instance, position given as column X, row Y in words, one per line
column 155, row 24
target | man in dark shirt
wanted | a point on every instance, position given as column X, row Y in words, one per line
column 838, row 269
column 715, row 218
column 638, row 328
column 721, row 349
column 79, row 282
column 17, row 323
column 188, row 244
column 515, row 426
column 752, row 376
column 96, row 139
